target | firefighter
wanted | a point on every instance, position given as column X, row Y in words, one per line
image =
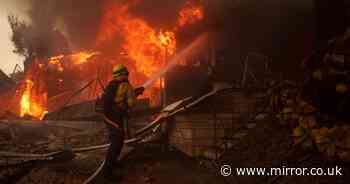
column 118, row 98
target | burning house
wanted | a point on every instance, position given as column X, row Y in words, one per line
column 64, row 53
column 222, row 85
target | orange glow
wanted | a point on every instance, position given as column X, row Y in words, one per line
column 122, row 38
column 56, row 61
column 190, row 14
column 147, row 47
column 168, row 41
column 82, row 57
column 144, row 49
column 76, row 59
column 30, row 104
column 150, row 51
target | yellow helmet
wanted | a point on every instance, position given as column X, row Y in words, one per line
column 120, row 70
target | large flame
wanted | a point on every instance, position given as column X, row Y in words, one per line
column 33, row 101
column 146, row 48
column 144, row 45
column 32, row 104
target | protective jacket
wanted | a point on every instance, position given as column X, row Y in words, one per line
column 119, row 97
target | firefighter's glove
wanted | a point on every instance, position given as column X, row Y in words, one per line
column 139, row 91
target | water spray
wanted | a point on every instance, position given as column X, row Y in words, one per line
column 181, row 55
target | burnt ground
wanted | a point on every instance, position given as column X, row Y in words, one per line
column 149, row 163
column 266, row 144
column 157, row 166
column 144, row 165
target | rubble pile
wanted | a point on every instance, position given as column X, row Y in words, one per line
column 29, row 151
column 312, row 129
column 317, row 110
column 328, row 79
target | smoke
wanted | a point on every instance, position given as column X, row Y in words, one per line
column 58, row 26
column 18, row 6
column 158, row 13
column 78, row 20
column 54, row 26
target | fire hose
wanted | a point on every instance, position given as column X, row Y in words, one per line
column 140, row 135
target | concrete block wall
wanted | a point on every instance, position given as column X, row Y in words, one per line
column 202, row 134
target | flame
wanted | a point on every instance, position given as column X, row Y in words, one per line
column 190, row 14
column 82, row 57
column 56, row 61
column 143, row 44
column 75, row 58
column 147, row 48
column 25, row 100
column 168, row 41
column 30, row 104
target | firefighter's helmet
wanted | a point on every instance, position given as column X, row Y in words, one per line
column 120, row 70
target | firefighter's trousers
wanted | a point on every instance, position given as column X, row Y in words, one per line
column 116, row 138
